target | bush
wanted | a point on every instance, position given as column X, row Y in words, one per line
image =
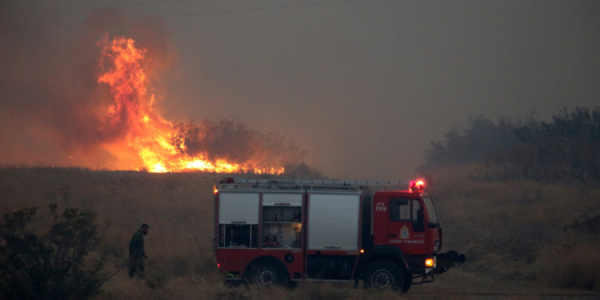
column 54, row 265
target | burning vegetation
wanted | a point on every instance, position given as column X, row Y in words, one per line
column 96, row 98
column 165, row 146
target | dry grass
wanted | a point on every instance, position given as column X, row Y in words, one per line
column 178, row 208
column 521, row 229
column 508, row 230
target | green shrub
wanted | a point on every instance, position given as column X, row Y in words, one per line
column 52, row 265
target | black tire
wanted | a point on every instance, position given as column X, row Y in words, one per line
column 265, row 275
column 292, row 284
column 385, row 274
column 407, row 284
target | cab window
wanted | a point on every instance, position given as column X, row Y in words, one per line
column 404, row 210
column 399, row 210
column 433, row 219
column 416, row 207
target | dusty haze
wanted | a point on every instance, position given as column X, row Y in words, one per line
column 363, row 86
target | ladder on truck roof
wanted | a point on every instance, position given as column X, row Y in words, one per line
column 232, row 182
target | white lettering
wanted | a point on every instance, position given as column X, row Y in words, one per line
column 380, row 207
column 407, row 242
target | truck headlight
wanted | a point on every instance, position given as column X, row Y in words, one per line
column 430, row 263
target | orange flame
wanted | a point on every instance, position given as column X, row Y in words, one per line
column 148, row 138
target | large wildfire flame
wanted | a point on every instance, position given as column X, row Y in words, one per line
column 161, row 145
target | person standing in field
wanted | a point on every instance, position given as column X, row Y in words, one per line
column 137, row 253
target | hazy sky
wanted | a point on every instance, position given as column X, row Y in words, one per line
column 364, row 86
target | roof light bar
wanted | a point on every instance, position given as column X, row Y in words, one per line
column 417, row 185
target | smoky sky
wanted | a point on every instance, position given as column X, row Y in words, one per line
column 363, row 86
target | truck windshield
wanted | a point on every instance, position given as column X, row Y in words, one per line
column 433, row 219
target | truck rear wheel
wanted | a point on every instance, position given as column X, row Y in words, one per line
column 265, row 275
column 384, row 275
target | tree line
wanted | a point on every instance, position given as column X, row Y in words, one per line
column 565, row 147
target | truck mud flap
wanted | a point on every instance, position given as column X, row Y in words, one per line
column 447, row 260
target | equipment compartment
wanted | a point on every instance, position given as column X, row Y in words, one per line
column 238, row 236
column 281, row 227
column 281, row 220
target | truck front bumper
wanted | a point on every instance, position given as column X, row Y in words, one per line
column 419, row 267
column 447, row 260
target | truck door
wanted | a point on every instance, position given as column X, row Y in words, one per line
column 406, row 227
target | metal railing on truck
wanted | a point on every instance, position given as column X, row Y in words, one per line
column 232, row 182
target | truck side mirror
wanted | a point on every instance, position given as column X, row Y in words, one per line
column 419, row 224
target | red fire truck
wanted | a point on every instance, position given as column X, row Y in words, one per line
column 284, row 231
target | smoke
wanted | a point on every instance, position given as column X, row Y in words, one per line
column 51, row 98
column 235, row 142
column 53, row 109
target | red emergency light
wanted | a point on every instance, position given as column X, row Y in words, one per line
column 418, row 185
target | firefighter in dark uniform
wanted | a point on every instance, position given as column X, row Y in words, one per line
column 136, row 252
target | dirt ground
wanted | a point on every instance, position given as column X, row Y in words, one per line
column 460, row 284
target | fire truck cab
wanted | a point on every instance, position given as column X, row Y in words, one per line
column 284, row 231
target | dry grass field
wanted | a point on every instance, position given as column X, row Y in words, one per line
column 520, row 238
column 543, row 233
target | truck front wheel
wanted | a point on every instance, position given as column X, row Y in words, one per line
column 384, row 275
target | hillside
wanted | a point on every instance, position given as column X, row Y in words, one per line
column 178, row 207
